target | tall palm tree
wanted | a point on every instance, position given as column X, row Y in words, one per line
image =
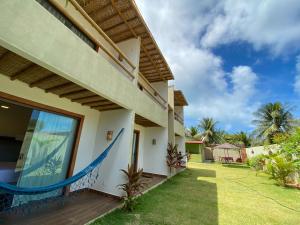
column 273, row 118
column 210, row 134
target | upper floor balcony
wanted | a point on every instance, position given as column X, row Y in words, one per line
column 179, row 103
column 123, row 57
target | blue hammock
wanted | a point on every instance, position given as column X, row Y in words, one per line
column 12, row 189
column 40, row 163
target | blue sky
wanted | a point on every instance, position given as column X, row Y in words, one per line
column 229, row 57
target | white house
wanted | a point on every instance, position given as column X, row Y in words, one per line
column 72, row 76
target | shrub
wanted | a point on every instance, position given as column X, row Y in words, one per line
column 132, row 187
column 172, row 156
column 257, row 162
column 280, row 168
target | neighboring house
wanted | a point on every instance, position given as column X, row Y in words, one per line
column 73, row 76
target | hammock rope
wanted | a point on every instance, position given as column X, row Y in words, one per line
column 12, row 189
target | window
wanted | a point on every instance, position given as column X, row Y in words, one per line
column 62, row 18
column 36, row 147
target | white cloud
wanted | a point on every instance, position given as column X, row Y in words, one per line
column 297, row 77
column 263, row 23
column 186, row 31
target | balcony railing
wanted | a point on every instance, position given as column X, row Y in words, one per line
column 117, row 56
column 178, row 118
column 129, row 68
column 146, row 87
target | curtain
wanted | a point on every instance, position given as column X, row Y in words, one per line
column 47, row 147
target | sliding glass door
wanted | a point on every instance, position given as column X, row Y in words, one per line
column 42, row 148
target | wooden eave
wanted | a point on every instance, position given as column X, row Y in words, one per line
column 19, row 68
column 179, row 99
column 121, row 20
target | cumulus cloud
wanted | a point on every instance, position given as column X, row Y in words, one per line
column 186, row 32
column 267, row 23
column 297, row 78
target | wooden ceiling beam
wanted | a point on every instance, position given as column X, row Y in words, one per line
column 117, row 25
column 66, row 84
column 42, row 80
column 132, row 30
column 86, row 98
column 70, row 93
column 96, row 103
column 26, row 70
column 115, row 35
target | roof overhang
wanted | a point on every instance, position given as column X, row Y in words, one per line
column 19, row 68
column 179, row 99
column 121, row 20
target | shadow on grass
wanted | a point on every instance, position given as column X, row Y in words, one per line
column 239, row 166
column 186, row 199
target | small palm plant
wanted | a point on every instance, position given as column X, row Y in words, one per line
column 132, row 187
column 172, row 156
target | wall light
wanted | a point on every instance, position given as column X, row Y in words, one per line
column 4, row 107
column 109, row 135
column 153, row 141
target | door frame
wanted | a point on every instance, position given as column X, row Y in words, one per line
column 136, row 149
column 35, row 105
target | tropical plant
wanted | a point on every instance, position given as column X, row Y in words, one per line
column 194, row 130
column 280, row 168
column 279, row 138
column 172, row 156
column 132, row 187
column 210, row 134
column 257, row 162
column 271, row 119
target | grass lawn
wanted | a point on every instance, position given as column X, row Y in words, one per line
column 213, row 194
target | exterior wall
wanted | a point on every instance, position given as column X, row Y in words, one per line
column 171, row 96
column 131, row 49
column 178, row 128
column 171, row 128
column 120, row 154
column 91, row 117
column 154, row 156
column 179, row 111
column 162, row 88
column 254, row 151
column 42, row 42
column 181, row 144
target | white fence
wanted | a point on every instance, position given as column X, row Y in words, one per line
column 254, row 151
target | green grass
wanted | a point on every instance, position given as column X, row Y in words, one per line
column 195, row 158
column 213, row 194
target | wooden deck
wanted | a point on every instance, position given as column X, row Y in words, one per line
column 77, row 210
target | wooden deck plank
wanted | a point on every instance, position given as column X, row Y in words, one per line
column 77, row 210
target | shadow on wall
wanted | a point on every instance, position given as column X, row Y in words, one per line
column 206, row 197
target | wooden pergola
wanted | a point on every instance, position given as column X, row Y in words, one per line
column 121, row 20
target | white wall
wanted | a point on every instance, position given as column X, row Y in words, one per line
column 181, row 144
column 179, row 111
column 91, row 117
column 120, row 155
column 162, row 88
column 155, row 155
column 254, row 151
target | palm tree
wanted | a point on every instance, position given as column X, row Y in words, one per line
column 271, row 119
column 194, row 131
column 210, row 134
